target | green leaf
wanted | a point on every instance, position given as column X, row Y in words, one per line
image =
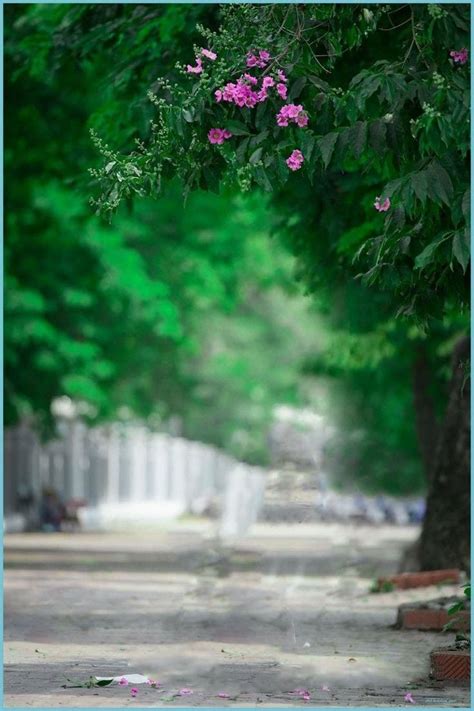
column 326, row 145
column 261, row 178
column 419, row 185
column 378, row 136
column 241, row 151
column 259, row 138
column 308, row 142
column 426, row 256
column 359, row 137
column 296, row 88
column 237, row 127
column 461, row 248
column 439, row 185
column 255, row 157
column 466, row 205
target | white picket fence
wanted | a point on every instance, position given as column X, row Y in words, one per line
column 127, row 473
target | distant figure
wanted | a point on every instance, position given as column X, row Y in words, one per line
column 52, row 510
column 416, row 511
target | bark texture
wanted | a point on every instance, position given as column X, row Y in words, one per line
column 445, row 537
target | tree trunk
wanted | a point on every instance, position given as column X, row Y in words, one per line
column 444, row 541
column 425, row 414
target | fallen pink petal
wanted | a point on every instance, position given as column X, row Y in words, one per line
column 123, row 682
column 409, row 698
column 223, row 695
column 134, row 691
column 325, row 688
column 185, row 692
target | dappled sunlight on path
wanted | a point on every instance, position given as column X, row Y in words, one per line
column 288, row 607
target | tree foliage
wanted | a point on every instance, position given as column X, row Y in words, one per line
column 388, row 110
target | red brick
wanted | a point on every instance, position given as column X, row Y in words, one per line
column 416, row 618
column 403, row 581
column 451, row 665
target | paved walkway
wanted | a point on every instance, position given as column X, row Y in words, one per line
column 287, row 607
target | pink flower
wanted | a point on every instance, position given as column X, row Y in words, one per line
column 382, row 206
column 210, row 55
column 216, row 135
column 152, row 682
column 268, row 82
column 282, row 91
column 134, row 691
column 250, row 79
column 227, row 134
column 294, row 113
column 302, row 119
column 252, row 60
column 218, row 94
column 459, row 57
column 293, row 110
column 282, row 76
column 295, row 160
column 197, row 69
column 409, row 698
column 123, row 682
column 185, row 692
column 223, row 695
column 262, row 95
column 264, row 55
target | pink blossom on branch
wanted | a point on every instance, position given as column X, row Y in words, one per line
column 282, row 91
column 251, row 79
column 197, row 69
column 295, row 160
column 209, row 54
column 282, row 76
column 459, row 57
column 216, row 135
column 294, row 113
column 260, row 61
column 382, row 206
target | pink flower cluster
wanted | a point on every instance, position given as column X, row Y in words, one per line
column 246, row 92
column 218, row 135
column 382, row 206
column 197, row 69
column 293, row 113
column 258, row 60
column 295, row 160
column 459, row 57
